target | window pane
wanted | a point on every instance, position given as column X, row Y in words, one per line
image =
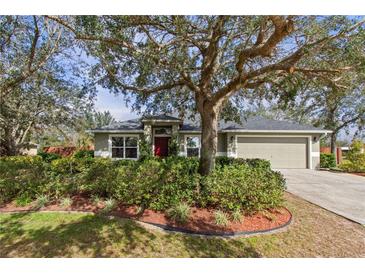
column 130, row 141
column 192, row 152
column 117, row 152
column 117, row 141
column 193, row 142
column 131, row 153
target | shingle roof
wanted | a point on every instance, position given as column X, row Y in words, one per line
column 160, row 117
column 134, row 124
column 261, row 123
column 251, row 124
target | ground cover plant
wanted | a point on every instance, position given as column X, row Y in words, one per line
column 167, row 184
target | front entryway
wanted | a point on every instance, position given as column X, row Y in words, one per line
column 162, row 146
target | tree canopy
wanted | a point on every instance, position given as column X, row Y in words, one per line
column 207, row 63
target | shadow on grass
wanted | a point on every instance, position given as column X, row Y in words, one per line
column 54, row 235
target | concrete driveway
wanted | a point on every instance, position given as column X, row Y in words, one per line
column 341, row 193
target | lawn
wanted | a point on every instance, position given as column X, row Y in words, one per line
column 315, row 232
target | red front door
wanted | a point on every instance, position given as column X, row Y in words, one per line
column 162, row 146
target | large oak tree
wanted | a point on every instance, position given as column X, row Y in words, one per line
column 205, row 62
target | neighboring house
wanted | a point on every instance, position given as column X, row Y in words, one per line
column 285, row 144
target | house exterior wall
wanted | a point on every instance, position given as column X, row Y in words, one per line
column 227, row 143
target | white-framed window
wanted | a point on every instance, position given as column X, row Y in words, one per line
column 123, row 146
column 192, row 144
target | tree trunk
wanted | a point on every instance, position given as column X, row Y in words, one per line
column 333, row 142
column 209, row 138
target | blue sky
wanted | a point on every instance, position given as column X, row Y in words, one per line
column 113, row 103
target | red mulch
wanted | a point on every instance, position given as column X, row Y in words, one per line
column 65, row 151
column 358, row 173
column 201, row 219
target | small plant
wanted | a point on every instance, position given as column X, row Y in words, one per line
column 110, row 204
column 268, row 215
column 179, row 213
column 221, row 218
column 42, row 201
column 66, row 202
column 23, row 200
column 237, row 216
column 95, row 199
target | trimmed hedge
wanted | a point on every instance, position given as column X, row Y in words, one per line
column 327, row 160
column 154, row 183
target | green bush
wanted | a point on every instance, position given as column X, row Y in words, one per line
column 83, row 154
column 23, row 200
column 220, row 218
column 155, row 183
column 243, row 187
column 223, row 161
column 22, row 175
column 179, row 213
column 327, row 160
column 48, row 157
column 355, row 161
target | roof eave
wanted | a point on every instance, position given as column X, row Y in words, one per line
column 322, row 131
column 115, row 131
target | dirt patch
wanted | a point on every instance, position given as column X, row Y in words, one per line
column 201, row 220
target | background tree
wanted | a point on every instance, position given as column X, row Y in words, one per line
column 205, row 62
column 40, row 88
column 332, row 101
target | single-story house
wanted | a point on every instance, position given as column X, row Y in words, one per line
column 285, row 144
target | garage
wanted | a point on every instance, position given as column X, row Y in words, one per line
column 282, row 152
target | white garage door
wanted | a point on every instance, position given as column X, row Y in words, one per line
column 282, row 152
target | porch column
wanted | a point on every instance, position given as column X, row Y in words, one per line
column 147, row 132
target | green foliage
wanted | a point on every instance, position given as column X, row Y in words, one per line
column 84, row 154
column 155, row 183
column 174, row 146
column 237, row 216
column 179, row 213
column 48, row 157
column 355, row 159
column 110, row 204
column 42, row 201
column 240, row 186
column 145, row 151
column 66, row 202
column 327, row 160
column 221, row 218
column 23, row 200
column 222, row 161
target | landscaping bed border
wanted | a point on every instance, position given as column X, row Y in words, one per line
column 167, row 228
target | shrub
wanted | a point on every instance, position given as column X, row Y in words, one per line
column 237, row 216
column 179, row 213
column 66, row 202
column 96, row 199
column 243, row 187
column 48, row 157
column 355, row 158
column 223, row 161
column 23, row 200
column 110, row 204
column 83, row 154
column 327, row 160
column 21, row 175
column 42, row 201
column 220, row 218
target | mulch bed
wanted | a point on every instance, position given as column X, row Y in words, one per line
column 358, row 173
column 201, row 220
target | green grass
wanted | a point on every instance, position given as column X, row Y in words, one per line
column 315, row 232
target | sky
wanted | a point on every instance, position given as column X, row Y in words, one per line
column 115, row 104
